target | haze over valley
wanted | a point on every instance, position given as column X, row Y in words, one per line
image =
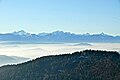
column 31, row 46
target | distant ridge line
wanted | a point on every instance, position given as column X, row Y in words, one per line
column 58, row 36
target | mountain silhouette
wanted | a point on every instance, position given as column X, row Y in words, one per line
column 57, row 36
column 84, row 65
column 4, row 60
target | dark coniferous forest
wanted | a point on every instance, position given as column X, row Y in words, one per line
column 84, row 65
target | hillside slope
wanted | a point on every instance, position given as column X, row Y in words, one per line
column 84, row 65
column 4, row 59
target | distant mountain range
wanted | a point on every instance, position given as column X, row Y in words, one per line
column 4, row 60
column 57, row 37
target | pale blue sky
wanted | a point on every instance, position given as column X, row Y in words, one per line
column 79, row 16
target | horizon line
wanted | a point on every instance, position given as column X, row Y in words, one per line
column 58, row 31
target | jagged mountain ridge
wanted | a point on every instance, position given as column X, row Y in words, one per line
column 58, row 36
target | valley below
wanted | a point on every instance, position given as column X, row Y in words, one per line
column 31, row 51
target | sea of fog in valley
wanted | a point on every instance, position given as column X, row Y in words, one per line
column 38, row 50
column 32, row 51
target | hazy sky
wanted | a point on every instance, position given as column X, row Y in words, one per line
column 79, row 16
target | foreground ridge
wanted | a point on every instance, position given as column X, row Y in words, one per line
column 84, row 65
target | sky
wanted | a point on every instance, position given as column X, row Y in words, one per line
column 78, row 16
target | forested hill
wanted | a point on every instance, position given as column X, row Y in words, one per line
column 84, row 65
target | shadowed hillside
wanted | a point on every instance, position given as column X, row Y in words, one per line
column 84, row 65
column 4, row 59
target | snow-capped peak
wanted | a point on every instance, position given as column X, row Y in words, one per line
column 21, row 32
